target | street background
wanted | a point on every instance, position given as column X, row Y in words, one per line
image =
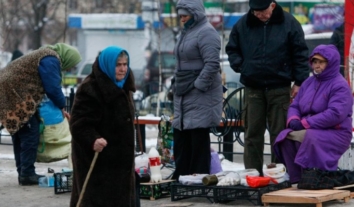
column 12, row 194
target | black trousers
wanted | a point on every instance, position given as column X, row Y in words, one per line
column 137, row 190
column 25, row 143
column 191, row 151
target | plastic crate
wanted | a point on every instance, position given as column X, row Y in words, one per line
column 254, row 195
column 155, row 190
column 63, row 182
column 219, row 194
column 180, row 191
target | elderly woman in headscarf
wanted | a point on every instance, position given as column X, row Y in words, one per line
column 102, row 120
column 23, row 83
column 319, row 119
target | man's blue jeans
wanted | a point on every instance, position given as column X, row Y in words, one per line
column 25, row 143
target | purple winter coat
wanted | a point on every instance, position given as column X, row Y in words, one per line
column 324, row 106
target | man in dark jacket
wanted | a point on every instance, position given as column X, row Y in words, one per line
column 268, row 48
column 337, row 39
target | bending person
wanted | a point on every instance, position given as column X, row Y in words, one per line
column 23, row 84
column 319, row 119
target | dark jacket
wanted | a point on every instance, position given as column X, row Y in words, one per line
column 16, row 54
column 268, row 55
column 337, row 39
column 50, row 72
column 101, row 109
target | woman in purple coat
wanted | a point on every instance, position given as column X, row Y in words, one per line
column 319, row 119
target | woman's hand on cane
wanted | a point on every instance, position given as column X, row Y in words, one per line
column 99, row 144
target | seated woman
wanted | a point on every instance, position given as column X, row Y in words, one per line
column 319, row 118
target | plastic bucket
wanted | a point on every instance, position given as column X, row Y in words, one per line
column 277, row 172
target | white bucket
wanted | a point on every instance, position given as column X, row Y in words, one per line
column 277, row 172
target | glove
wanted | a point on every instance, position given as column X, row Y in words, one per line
column 170, row 96
column 296, row 125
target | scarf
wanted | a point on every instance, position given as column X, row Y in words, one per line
column 69, row 55
column 107, row 61
column 189, row 23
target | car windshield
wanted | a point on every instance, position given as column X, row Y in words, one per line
column 167, row 61
column 87, row 69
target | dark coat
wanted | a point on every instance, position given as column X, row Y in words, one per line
column 268, row 55
column 337, row 39
column 101, row 109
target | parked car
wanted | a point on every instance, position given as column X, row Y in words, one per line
column 77, row 76
column 152, row 71
column 149, row 103
column 231, row 79
column 84, row 70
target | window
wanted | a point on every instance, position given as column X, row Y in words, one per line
column 87, row 69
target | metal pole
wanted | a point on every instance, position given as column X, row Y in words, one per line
column 159, row 51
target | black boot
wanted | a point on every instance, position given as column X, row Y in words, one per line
column 29, row 180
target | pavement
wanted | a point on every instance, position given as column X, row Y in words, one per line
column 12, row 194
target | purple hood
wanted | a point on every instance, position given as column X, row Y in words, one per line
column 330, row 52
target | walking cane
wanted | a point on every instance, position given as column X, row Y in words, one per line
column 87, row 178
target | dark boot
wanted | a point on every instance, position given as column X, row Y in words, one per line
column 30, row 180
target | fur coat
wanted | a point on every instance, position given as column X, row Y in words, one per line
column 21, row 89
column 101, row 109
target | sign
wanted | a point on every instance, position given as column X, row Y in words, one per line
column 303, row 10
column 327, row 17
column 104, row 21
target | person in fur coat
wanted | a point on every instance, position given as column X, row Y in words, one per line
column 102, row 120
column 319, row 123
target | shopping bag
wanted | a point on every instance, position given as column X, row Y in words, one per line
column 165, row 140
column 315, row 179
column 49, row 113
column 54, row 143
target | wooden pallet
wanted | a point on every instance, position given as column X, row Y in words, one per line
column 294, row 195
column 346, row 187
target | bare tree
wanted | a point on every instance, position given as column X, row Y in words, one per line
column 37, row 21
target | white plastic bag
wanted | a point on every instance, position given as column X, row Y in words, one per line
column 229, row 179
column 142, row 163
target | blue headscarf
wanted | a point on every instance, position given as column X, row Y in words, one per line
column 107, row 61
